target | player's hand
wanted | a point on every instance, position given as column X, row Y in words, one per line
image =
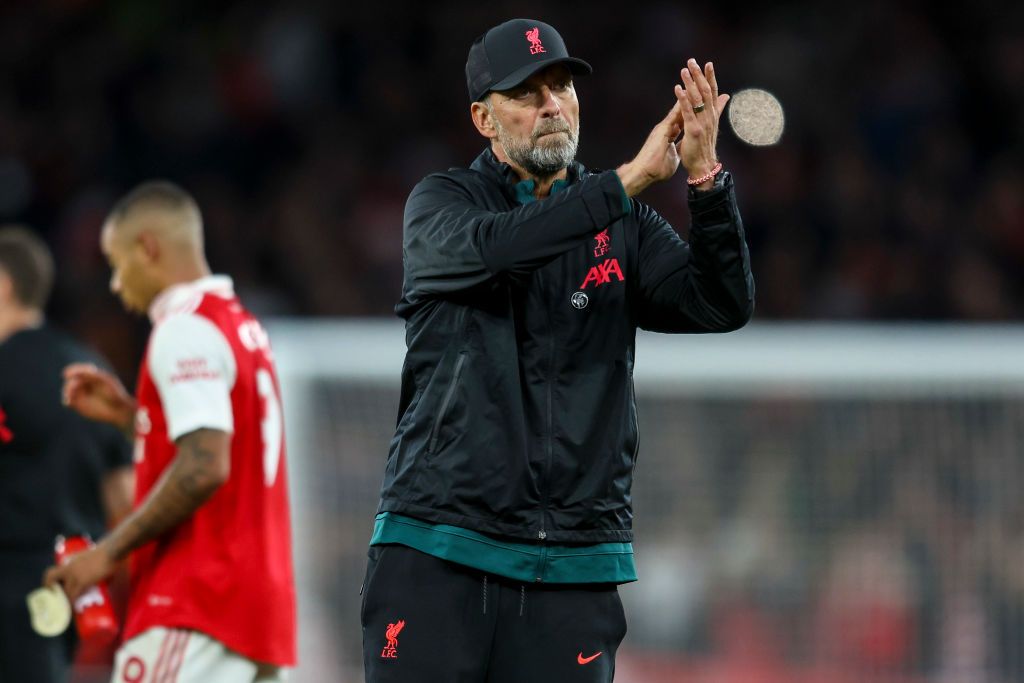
column 658, row 159
column 660, row 156
column 700, row 129
column 81, row 571
column 98, row 395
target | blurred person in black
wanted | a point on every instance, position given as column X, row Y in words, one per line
column 505, row 522
column 60, row 474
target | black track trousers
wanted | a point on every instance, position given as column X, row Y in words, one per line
column 452, row 624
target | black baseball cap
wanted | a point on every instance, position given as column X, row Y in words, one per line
column 509, row 53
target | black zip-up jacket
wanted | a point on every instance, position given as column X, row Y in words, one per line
column 517, row 415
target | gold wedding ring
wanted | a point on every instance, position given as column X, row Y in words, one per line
column 699, row 108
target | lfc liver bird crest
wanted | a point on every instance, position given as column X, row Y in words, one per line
column 533, row 35
column 390, row 650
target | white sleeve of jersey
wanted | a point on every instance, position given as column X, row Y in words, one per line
column 194, row 370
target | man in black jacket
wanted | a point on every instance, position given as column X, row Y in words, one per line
column 505, row 518
column 60, row 474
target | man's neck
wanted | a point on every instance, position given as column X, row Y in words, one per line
column 187, row 271
column 541, row 186
column 15, row 320
column 184, row 272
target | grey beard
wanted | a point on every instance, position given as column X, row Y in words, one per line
column 540, row 161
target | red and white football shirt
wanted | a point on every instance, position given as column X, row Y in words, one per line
column 227, row 570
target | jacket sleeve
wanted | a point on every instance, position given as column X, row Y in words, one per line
column 703, row 286
column 450, row 243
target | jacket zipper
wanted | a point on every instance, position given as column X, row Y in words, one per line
column 435, row 431
column 542, row 563
column 543, row 534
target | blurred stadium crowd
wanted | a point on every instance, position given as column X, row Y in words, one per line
column 302, row 125
column 805, row 539
column 833, row 540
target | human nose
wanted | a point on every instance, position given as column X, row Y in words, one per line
column 550, row 105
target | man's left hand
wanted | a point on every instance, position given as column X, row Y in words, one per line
column 697, row 149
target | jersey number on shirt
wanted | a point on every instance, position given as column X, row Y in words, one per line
column 270, row 425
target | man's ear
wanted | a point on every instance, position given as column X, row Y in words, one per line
column 6, row 287
column 483, row 119
column 150, row 246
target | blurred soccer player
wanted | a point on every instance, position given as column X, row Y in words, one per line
column 59, row 473
column 505, row 518
column 212, row 596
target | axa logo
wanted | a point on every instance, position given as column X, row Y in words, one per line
column 390, row 650
column 602, row 273
column 602, row 243
column 6, row 435
column 533, row 35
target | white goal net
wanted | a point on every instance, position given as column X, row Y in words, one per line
column 813, row 503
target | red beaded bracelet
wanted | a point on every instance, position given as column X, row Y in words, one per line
column 706, row 177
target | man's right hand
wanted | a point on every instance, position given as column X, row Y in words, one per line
column 98, row 395
column 658, row 159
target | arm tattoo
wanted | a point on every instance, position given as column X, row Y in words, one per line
column 195, row 474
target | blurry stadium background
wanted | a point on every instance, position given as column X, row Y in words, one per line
column 831, row 495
